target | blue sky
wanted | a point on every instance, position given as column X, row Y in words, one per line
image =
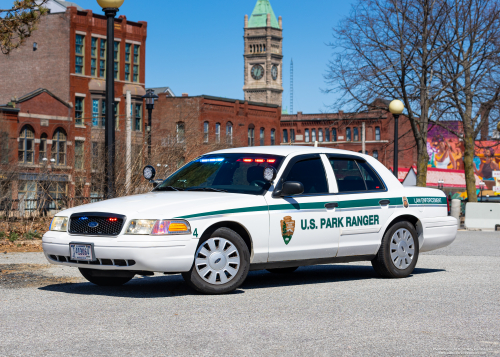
column 196, row 47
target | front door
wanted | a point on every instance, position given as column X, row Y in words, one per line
column 296, row 230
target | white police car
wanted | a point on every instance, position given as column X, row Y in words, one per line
column 235, row 210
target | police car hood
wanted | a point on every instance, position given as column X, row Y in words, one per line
column 166, row 205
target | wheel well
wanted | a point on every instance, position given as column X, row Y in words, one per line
column 413, row 220
column 238, row 228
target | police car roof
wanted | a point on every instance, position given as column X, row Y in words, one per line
column 285, row 150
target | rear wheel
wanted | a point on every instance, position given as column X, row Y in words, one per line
column 282, row 270
column 114, row 278
column 221, row 263
column 398, row 253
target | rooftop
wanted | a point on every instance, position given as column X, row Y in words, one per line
column 259, row 15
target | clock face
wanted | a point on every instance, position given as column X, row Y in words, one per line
column 257, row 72
column 274, row 72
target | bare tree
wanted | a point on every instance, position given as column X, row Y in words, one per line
column 19, row 22
column 390, row 49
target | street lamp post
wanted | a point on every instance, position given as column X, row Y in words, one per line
column 110, row 8
column 150, row 105
column 396, row 107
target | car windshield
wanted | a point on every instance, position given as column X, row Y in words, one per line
column 235, row 173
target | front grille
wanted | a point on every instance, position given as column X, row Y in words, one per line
column 99, row 261
column 96, row 223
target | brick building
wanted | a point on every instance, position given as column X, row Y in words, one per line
column 57, row 87
column 203, row 123
column 343, row 131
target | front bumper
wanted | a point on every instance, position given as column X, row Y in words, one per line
column 169, row 254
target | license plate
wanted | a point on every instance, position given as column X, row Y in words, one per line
column 82, row 252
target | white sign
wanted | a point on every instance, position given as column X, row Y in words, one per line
column 496, row 188
column 496, row 174
column 341, row 138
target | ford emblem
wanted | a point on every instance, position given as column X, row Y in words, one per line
column 93, row 224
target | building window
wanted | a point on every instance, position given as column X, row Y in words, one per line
column 95, row 113
column 217, row 132
column 356, row 134
column 128, row 57
column 181, row 133
column 229, row 133
column 79, row 110
column 138, row 117
column 59, row 147
column 93, row 61
column 262, row 137
column 348, row 134
column 251, row 136
column 99, row 112
column 80, row 54
column 377, row 133
column 375, row 154
column 285, row 135
column 327, row 135
column 313, row 135
column 306, row 135
column 116, row 55
column 292, row 135
column 42, row 152
column 26, row 145
column 58, row 194
column 320, row 135
column 205, row 132
column 137, row 52
column 273, row 137
column 102, row 59
column 4, row 148
column 334, row 134
column 79, row 155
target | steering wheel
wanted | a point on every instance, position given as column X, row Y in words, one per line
column 258, row 183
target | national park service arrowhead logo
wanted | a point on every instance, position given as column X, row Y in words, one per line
column 287, row 229
column 405, row 202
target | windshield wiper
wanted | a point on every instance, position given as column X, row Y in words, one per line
column 169, row 188
column 209, row 189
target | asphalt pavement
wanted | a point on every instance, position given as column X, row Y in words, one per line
column 449, row 306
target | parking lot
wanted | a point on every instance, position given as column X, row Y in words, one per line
column 449, row 306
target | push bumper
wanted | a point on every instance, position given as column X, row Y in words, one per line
column 164, row 254
column 438, row 232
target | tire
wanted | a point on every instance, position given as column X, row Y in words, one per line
column 105, row 280
column 289, row 270
column 221, row 263
column 398, row 253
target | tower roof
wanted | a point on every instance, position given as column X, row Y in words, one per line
column 259, row 15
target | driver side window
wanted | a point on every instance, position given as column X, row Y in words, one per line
column 311, row 173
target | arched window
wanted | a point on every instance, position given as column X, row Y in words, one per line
column 320, row 135
column 205, row 132
column 327, row 135
column 348, row 134
column 306, row 134
column 217, row 132
column 313, row 135
column 377, row 133
column 251, row 135
column 285, row 135
column 229, row 132
column 42, row 153
column 273, row 137
column 59, row 147
column 356, row 134
column 334, row 134
column 261, row 136
column 181, row 132
column 26, row 145
column 375, row 154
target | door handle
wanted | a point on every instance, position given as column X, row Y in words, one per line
column 331, row 205
column 384, row 202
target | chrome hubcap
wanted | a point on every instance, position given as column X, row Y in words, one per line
column 217, row 261
column 402, row 248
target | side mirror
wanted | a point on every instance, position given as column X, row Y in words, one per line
column 291, row 188
column 149, row 172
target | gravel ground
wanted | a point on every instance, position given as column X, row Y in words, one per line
column 449, row 306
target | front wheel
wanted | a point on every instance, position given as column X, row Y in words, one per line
column 221, row 263
column 398, row 253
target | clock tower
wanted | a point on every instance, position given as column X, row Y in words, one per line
column 263, row 55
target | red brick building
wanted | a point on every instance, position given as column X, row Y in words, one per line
column 343, row 131
column 214, row 123
column 56, row 85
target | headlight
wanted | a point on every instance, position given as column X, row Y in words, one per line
column 59, row 224
column 158, row 227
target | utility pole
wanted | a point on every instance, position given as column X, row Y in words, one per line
column 363, row 138
column 128, row 177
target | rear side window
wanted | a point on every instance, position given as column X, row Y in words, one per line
column 355, row 176
column 311, row 173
